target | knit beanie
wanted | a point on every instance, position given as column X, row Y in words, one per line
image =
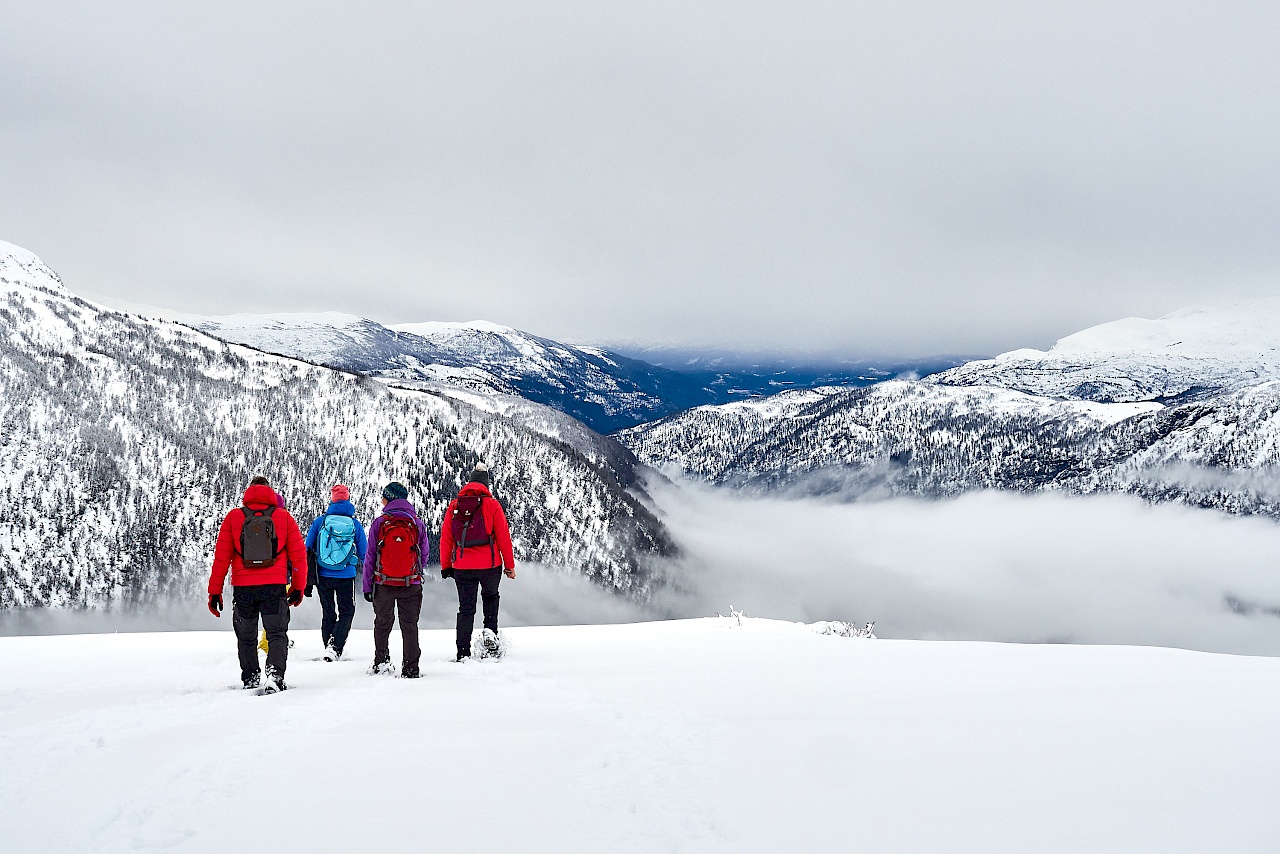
column 481, row 474
column 395, row 490
column 339, row 493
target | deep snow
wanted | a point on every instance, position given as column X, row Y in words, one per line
column 694, row 735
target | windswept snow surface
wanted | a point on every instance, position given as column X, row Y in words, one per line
column 697, row 736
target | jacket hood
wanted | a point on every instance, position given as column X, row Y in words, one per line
column 400, row 507
column 260, row 497
column 341, row 508
column 474, row 488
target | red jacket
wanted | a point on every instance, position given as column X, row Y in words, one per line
column 478, row 557
column 227, row 553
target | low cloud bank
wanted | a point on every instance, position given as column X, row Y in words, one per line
column 985, row 566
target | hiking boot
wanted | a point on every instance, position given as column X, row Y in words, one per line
column 382, row 668
column 253, row 681
column 490, row 646
column 410, row 673
column 331, row 654
column 463, row 656
column 273, row 683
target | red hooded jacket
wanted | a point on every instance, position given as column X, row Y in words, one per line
column 495, row 522
column 227, row 553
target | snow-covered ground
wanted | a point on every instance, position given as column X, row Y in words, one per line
column 698, row 735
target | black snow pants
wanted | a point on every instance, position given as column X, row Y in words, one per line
column 470, row 581
column 267, row 601
column 338, row 604
column 386, row 601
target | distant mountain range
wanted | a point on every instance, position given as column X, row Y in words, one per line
column 1183, row 408
column 606, row 390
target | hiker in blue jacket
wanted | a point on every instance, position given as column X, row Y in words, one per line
column 335, row 550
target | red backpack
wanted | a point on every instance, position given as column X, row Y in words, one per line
column 398, row 553
column 468, row 526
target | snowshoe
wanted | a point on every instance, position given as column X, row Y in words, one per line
column 331, row 654
column 384, row 668
column 273, row 684
column 407, row 673
column 490, row 644
column 253, row 681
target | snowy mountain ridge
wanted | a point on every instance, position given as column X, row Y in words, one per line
column 123, row 440
column 602, row 389
column 606, row 390
column 1191, row 353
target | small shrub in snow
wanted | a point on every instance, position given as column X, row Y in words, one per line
column 845, row 630
column 734, row 614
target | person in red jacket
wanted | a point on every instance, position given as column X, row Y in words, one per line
column 475, row 550
column 261, row 555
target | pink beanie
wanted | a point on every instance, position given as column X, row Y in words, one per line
column 339, row 493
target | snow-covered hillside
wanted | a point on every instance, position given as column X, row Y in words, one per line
column 920, row 438
column 123, row 441
column 691, row 736
column 1192, row 353
column 963, row 437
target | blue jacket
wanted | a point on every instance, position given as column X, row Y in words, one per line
column 399, row 507
column 339, row 508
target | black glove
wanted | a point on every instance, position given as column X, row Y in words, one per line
column 446, row 573
column 295, row 597
column 310, row 589
column 215, row 604
column 368, row 597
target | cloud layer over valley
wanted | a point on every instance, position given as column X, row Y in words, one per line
column 985, row 566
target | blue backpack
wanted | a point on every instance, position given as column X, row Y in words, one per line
column 336, row 543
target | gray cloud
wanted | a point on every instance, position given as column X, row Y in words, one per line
column 901, row 178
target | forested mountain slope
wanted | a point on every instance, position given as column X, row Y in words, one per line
column 921, row 438
column 124, row 440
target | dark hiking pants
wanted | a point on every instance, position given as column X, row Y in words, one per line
column 470, row 581
column 386, row 601
column 268, row 602
column 338, row 602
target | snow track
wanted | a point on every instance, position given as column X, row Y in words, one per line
column 693, row 735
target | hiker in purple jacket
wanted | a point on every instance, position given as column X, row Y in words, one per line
column 393, row 566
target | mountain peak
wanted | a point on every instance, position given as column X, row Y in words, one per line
column 1210, row 330
column 20, row 266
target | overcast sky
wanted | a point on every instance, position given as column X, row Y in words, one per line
column 897, row 178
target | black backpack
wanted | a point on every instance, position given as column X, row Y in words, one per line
column 258, row 544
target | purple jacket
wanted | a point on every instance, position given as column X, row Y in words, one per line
column 399, row 507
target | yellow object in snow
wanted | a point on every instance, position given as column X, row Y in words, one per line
column 262, row 642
